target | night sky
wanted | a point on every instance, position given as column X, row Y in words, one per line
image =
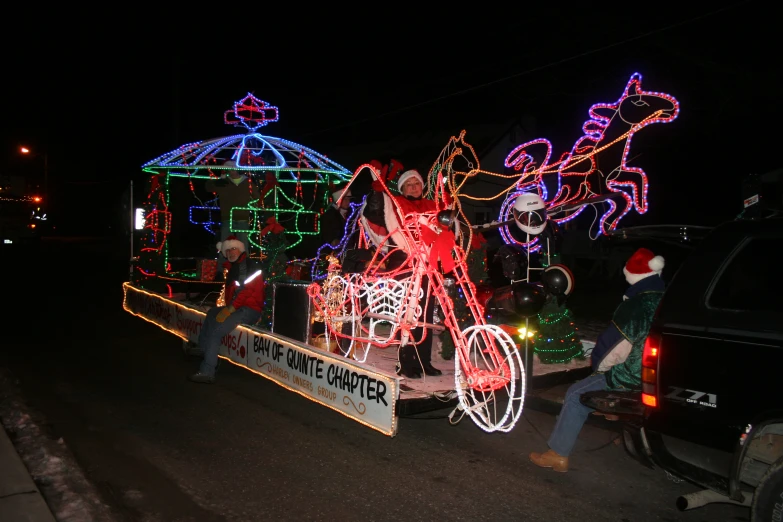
column 104, row 96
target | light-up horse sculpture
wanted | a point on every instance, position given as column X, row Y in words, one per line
column 382, row 307
column 596, row 169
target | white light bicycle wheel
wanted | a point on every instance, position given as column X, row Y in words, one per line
column 492, row 390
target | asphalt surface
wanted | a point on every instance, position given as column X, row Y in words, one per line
column 151, row 446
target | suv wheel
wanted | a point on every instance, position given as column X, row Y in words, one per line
column 768, row 500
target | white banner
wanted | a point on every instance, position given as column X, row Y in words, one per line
column 367, row 396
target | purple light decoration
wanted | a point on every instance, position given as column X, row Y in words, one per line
column 520, row 159
column 579, row 176
column 251, row 113
column 533, row 245
column 353, row 216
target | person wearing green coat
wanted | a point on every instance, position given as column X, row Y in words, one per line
column 616, row 358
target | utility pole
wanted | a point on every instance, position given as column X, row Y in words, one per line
column 45, row 154
column 46, row 176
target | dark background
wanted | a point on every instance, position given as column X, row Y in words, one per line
column 103, row 88
column 103, row 94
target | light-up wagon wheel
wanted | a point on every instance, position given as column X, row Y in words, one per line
column 343, row 303
column 356, row 349
column 491, row 385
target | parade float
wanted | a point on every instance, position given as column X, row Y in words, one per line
column 340, row 347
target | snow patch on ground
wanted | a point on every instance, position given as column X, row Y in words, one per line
column 70, row 496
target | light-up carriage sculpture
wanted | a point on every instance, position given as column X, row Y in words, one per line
column 381, row 308
column 595, row 172
column 291, row 181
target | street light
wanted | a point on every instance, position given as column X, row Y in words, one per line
column 25, row 150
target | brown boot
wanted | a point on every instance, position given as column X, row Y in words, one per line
column 550, row 459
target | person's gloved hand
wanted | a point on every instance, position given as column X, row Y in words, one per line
column 377, row 185
column 224, row 313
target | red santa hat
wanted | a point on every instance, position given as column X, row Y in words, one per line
column 407, row 175
column 643, row 263
column 230, row 242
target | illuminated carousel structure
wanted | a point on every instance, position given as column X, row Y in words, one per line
column 181, row 217
column 179, row 214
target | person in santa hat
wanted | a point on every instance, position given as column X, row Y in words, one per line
column 380, row 218
column 379, row 212
column 244, row 297
column 616, row 358
column 333, row 221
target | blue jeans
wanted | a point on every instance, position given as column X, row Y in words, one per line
column 573, row 415
column 212, row 332
column 225, row 231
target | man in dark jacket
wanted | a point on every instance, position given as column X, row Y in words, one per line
column 234, row 190
column 244, row 297
column 617, row 356
column 333, row 221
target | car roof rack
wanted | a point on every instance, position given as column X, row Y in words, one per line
column 679, row 234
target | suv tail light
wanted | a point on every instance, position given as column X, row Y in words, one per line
column 650, row 355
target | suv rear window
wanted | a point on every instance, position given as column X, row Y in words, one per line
column 752, row 279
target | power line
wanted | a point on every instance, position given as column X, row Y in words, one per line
column 528, row 71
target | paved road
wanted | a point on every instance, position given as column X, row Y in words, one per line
column 154, row 447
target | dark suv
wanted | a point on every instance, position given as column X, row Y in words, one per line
column 711, row 411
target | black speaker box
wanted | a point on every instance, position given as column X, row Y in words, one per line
column 291, row 310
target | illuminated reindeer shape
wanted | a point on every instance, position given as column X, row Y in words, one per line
column 595, row 170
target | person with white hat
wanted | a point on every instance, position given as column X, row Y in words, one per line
column 381, row 219
column 233, row 189
column 244, row 297
column 379, row 212
column 334, row 219
column 616, row 358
